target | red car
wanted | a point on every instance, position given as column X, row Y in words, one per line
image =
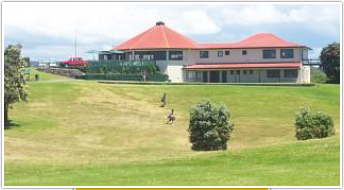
column 74, row 61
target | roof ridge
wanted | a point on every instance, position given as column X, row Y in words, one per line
column 166, row 41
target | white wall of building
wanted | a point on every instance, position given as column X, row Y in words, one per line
column 253, row 55
column 251, row 76
column 174, row 68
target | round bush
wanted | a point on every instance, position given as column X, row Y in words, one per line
column 311, row 126
column 209, row 127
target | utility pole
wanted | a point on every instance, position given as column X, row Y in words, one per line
column 75, row 44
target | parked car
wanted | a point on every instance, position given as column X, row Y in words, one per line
column 73, row 61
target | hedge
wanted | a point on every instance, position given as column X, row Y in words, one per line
column 128, row 77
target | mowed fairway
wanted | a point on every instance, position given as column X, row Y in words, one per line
column 78, row 133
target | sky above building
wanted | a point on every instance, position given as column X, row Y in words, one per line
column 48, row 29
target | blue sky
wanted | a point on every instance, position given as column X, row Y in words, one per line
column 47, row 29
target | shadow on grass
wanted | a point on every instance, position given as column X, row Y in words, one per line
column 10, row 124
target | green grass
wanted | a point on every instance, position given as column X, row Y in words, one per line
column 87, row 133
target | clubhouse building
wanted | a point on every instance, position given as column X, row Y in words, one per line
column 260, row 58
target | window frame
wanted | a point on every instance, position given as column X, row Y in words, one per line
column 219, row 53
column 291, row 56
column 202, row 56
column 227, row 53
column 293, row 73
column 273, row 75
column 269, row 50
column 171, row 53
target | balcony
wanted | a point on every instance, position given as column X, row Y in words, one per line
column 311, row 62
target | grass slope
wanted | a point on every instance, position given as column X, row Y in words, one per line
column 86, row 133
column 313, row 163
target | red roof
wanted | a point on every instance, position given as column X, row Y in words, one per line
column 260, row 40
column 244, row 65
column 162, row 37
column 158, row 37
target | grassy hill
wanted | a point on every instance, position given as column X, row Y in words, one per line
column 86, row 133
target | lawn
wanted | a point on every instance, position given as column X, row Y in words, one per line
column 87, row 133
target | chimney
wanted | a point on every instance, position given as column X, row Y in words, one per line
column 160, row 23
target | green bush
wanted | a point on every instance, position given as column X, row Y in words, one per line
column 308, row 126
column 123, row 77
column 209, row 126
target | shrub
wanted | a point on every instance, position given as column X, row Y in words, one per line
column 308, row 126
column 209, row 127
column 317, row 75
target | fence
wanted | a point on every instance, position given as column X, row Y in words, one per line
column 122, row 67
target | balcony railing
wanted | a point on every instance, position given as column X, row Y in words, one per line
column 311, row 62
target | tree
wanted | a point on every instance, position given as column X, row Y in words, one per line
column 330, row 62
column 209, row 127
column 27, row 61
column 13, row 79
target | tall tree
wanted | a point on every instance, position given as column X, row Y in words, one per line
column 13, row 79
column 330, row 62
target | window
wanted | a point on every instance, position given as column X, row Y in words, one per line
column 224, row 76
column 291, row 73
column 269, row 54
column 244, row 72
column 205, row 76
column 203, row 54
column 227, row 52
column 287, row 53
column 220, row 54
column 159, row 55
column 232, row 72
column 251, row 72
column 244, row 52
column 176, row 55
column 273, row 73
column 238, row 72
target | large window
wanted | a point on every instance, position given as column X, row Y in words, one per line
column 220, row 54
column 290, row 73
column 150, row 55
column 159, row 55
column 203, row 54
column 176, row 55
column 273, row 73
column 287, row 53
column 269, row 54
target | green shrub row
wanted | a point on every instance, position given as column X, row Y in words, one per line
column 125, row 77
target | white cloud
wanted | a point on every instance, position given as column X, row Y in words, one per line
column 111, row 22
column 195, row 22
column 92, row 21
column 323, row 18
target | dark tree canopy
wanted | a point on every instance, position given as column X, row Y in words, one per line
column 13, row 79
column 330, row 62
